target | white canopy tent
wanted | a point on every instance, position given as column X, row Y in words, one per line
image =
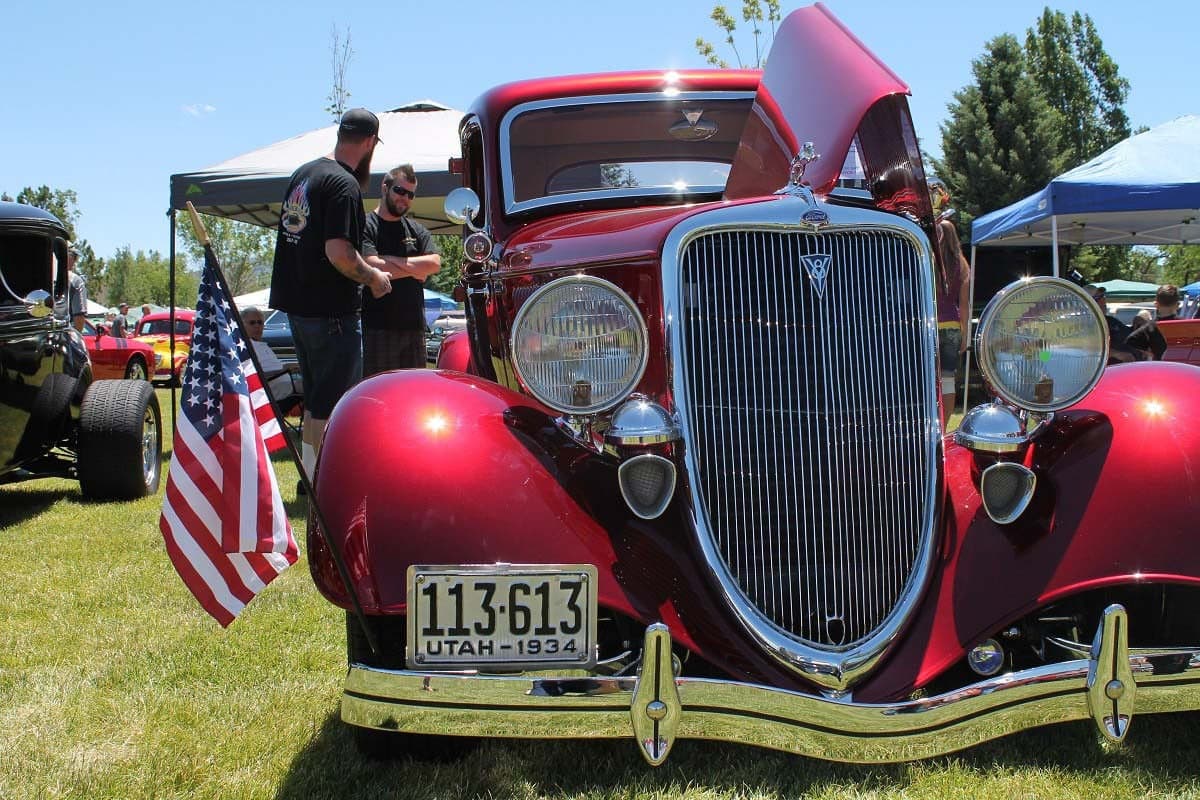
column 250, row 187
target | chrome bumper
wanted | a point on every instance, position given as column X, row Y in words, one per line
column 656, row 708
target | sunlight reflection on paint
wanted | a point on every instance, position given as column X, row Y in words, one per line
column 436, row 423
column 1154, row 408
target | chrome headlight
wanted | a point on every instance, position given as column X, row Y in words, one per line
column 1042, row 343
column 579, row 345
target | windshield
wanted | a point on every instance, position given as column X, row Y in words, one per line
column 598, row 148
column 152, row 327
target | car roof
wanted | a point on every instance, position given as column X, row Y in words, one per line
column 22, row 212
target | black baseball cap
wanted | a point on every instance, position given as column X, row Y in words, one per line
column 359, row 121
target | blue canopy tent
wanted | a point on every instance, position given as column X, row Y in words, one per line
column 1144, row 190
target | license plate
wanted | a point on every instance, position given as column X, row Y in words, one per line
column 501, row 615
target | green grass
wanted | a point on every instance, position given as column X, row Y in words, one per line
column 113, row 684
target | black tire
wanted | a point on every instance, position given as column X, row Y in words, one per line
column 120, row 441
column 378, row 745
column 136, row 370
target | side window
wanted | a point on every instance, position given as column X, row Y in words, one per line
column 25, row 264
column 473, row 156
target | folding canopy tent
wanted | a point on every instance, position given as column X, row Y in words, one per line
column 1144, row 190
column 250, row 187
column 1118, row 289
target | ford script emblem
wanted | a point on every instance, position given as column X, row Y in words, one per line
column 814, row 216
column 817, row 266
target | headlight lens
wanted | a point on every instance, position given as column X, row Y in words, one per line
column 1042, row 343
column 579, row 345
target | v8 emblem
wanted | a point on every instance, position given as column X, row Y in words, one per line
column 817, row 266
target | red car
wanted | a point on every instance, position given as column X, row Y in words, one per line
column 671, row 483
column 113, row 357
column 154, row 329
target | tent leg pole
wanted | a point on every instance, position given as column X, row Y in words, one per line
column 1054, row 243
column 171, row 292
column 969, row 311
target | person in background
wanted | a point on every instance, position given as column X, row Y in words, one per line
column 318, row 270
column 1119, row 352
column 120, row 323
column 953, row 278
column 1146, row 335
column 394, row 325
column 76, row 290
column 281, row 380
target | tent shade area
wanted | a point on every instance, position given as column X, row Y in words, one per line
column 250, row 187
column 1144, row 190
column 1128, row 290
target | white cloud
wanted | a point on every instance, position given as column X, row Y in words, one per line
column 197, row 109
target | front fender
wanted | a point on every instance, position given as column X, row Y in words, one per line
column 439, row 467
column 1118, row 503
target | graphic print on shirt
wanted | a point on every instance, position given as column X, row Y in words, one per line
column 294, row 216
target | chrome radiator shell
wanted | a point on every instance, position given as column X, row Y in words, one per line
column 813, row 457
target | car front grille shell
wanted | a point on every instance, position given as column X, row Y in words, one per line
column 811, row 425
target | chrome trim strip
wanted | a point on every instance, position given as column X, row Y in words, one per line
column 831, row 667
column 511, row 206
column 583, row 706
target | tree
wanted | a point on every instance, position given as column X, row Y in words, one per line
column 450, row 274
column 1079, row 80
column 143, row 277
column 1181, row 264
column 340, row 55
column 1001, row 140
column 245, row 251
column 752, row 14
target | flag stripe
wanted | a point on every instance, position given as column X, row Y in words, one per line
column 223, row 521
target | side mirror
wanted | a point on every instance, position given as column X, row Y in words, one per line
column 462, row 205
column 39, row 303
column 947, row 213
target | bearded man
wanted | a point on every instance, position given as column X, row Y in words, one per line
column 318, row 269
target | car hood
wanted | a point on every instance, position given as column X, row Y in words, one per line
column 574, row 240
column 822, row 85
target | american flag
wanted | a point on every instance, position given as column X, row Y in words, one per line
column 223, row 521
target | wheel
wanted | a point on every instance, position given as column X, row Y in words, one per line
column 120, row 441
column 136, row 370
column 381, row 745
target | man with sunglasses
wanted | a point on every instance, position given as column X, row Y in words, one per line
column 394, row 325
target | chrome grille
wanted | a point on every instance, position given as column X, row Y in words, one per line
column 809, row 420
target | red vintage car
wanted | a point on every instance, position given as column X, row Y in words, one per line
column 114, row 357
column 155, row 330
column 671, row 484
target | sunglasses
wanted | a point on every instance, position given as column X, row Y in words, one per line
column 400, row 190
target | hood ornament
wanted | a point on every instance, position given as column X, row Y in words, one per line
column 796, row 185
column 808, row 154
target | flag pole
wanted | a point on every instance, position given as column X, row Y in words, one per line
column 334, row 551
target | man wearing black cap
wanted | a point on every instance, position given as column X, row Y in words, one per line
column 318, row 269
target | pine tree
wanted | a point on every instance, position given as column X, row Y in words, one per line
column 1079, row 80
column 1001, row 140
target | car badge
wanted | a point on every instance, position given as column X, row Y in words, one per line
column 815, row 217
column 692, row 128
column 817, row 266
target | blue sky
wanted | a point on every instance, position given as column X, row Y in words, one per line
column 112, row 98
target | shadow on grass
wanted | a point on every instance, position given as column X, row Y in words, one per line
column 18, row 505
column 1157, row 759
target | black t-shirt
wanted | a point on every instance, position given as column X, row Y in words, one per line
column 404, row 308
column 323, row 202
